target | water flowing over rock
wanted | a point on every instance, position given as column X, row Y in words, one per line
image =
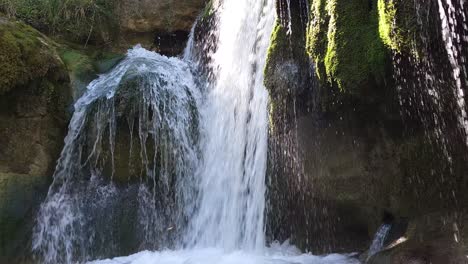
column 232, row 175
column 385, row 134
column 153, row 101
column 286, row 126
column 202, row 144
column 379, row 239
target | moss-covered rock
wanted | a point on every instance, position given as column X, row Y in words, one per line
column 398, row 26
column 343, row 40
column 115, row 24
column 286, row 66
column 317, row 37
column 35, row 96
column 362, row 156
column 83, row 21
column 25, row 55
column 84, row 65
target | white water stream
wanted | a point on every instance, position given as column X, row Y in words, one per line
column 217, row 213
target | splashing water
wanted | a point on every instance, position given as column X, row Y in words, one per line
column 379, row 239
column 217, row 256
column 157, row 98
column 451, row 16
column 201, row 183
column 234, row 123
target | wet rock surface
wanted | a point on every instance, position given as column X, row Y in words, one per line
column 35, row 97
column 159, row 25
column 344, row 155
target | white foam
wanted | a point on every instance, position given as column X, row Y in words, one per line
column 219, row 256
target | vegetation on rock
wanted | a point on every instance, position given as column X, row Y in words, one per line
column 398, row 25
column 341, row 34
column 84, row 65
column 25, row 55
column 77, row 20
column 34, row 105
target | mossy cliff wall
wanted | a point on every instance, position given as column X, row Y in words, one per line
column 342, row 33
column 35, row 97
column 117, row 24
column 352, row 130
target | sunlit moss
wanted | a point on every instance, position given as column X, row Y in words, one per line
column 317, row 36
column 278, row 43
column 398, row 25
column 343, row 40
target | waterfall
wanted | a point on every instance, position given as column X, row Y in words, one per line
column 234, row 125
column 453, row 17
column 379, row 239
column 144, row 112
column 193, row 150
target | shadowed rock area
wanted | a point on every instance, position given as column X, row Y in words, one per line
column 35, row 96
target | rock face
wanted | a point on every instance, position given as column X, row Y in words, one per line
column 158, row 15
column 161, row 24
column 434, row 238
column 34, row 97
column 355, row 139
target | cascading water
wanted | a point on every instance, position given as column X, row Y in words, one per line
column 200, row 188
column 234, row 123
column 379, row 239
column 432, row 85
column 147, row 96
column 454, row 25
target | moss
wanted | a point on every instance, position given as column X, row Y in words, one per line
column 285, row 51
column 79, row 20
column 208, row 11
column 343, row 40
column 78, row 63
column 317, row 37
column 105, row 61
column 84, row 65
column 24, row 55
column 9, row 62
column 278, row 44
column 398, row 25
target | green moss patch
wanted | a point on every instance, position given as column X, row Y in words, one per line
column 398, row 25
column 87, row 63
column 208, row 11
column 344, row 42
column 25, row 55
column 78, row 20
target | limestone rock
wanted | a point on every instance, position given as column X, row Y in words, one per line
column 159, row 15
column 34, row 98
column 152, row 23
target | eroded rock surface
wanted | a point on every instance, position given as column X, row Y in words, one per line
column 35, row 98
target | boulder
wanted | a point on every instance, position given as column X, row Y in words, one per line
column 161, row 25
column 158, row 24
column 35, row 97
column 158, row 15
column 346, row 152
column 432, row 238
